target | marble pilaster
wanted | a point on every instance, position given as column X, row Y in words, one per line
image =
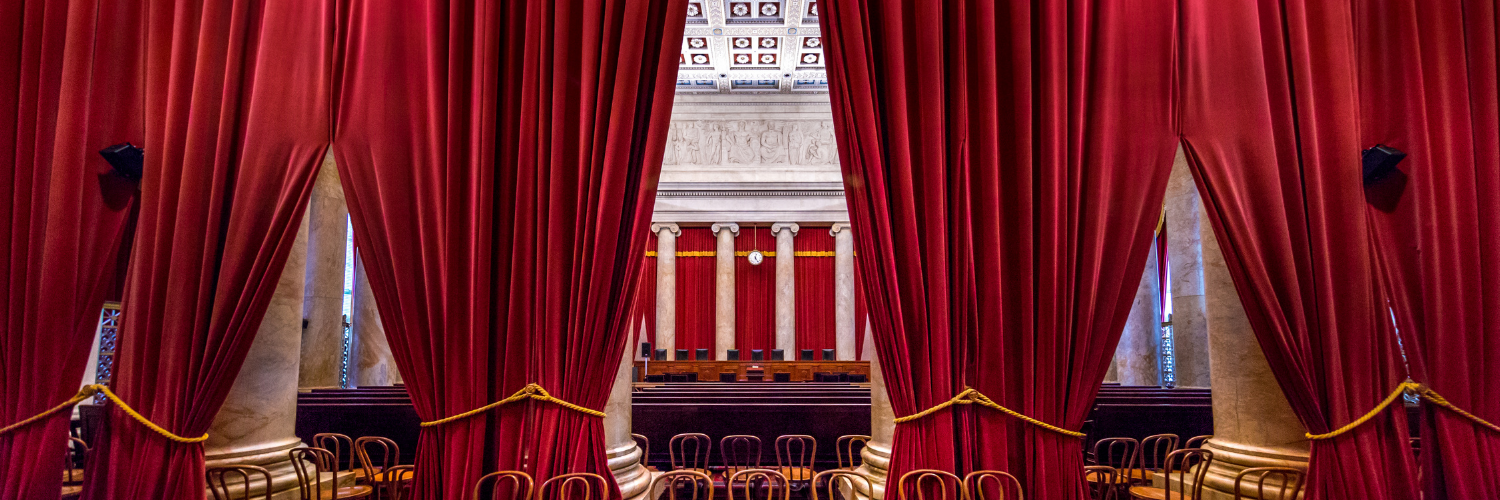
column 724, row 288
column 786, row 286
column 1189, row 305
column 623, row 455
column 876, row 455
column 257, row 423
column 370, row 360
column 843, row 292
column 323, row 295
column 666, row 286
column 1136, row 358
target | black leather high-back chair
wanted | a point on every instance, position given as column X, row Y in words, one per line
column 757, row 355
column 732, row 355
column 701, row 355
column 778, row 355
column 828, row 355
column 682, row 354
column 807, row 355
column 661, row 355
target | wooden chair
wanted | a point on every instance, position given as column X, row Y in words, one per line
column 522, row 486
column 769, row 481
column 222, row 480
column 374, row 470
column 739, row 452
column 794, row 456
column 689, row 451
column 311, row 464
column 1176, row 469
column 1102, row 481
column 672, row 482
column 1148, row 461
column 342, row 447
column 1198, row 441
column 399, row 484
column 922, row 482
column 834, row 481
column 574, row 486
column 1001, row 486
column 1118, row 454
column 844, row 449
column 1286, row 486
column 77, row 456
column 644, row 443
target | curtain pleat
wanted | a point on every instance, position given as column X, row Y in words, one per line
column 696, row 275
column 815, row 290
column 755, row 292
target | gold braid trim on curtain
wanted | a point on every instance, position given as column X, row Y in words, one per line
column 1423, row 392
column 89, row 391
column 531, row 391
column 971, row 396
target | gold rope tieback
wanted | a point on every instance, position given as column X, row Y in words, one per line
column 89, row 391
column 531, row 391
column 1422, row 391
column 971, row 396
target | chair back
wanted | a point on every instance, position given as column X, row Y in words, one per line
column 521, row 485
column 751, row 481
column 399, row 482
column 1154, row 450
column 992, row 485
column 847, row 450
column 644, row 443
column 1180, row 466
column 1198, row 441
column 673, row 483
column 1117, row 453
column 834, row 481
column 341, row 446
column 376, row 454
column 78, row 455
column 574, row 486
column 740, row 452
column 1102, row 480
column 310, row 464
column 929, row 484
column 689, row 451
column 795, row 453
column 222, row 482
column 1271, row 483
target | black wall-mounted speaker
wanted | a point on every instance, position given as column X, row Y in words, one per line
column 645, row 349
column 1379, row 162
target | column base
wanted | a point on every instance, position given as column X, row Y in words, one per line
column 877, row 463
column 273, row 457
column 1232, row 458
column 625, row 463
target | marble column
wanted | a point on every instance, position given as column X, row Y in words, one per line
column 843, row 292
column 323, row 294
column 724, row 288
column 370, row 360
column 876, row 455
column 666, row 286
column 1253, row 424
column 786, row 287
column 1185, row 250
column 623, row 455
column 257, row 422
column 1136, row 358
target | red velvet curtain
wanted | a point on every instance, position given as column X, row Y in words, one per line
column 1005, row 164
column 695, row 290
column 1427, row 73
column 755, row 293
column 61, row 99
column 814, row 295
column 1272, row 121
column 645, row 299
column 520, row 143
column 235, row 123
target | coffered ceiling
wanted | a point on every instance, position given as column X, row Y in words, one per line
column 752, row 46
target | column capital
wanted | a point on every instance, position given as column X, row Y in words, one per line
column 720, row 226
column 658, row 227
column 778, row 227
column 839, row 227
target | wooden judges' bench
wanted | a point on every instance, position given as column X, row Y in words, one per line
column 747, row 371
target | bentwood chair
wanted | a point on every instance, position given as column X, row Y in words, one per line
column 388, row 453
column 847, row 450
column 644, row 443
column 1148, row 461
column 794, row 456
column 1271, row 483
column 689, row 451
column 929, row 484
column 342, row 447
column 992, row 485
column 1119, row 455
column 752, row 482
column 399, row 483
column 222, row 481
column 520, row 483
column 1198, row 441
column 78, row 453
column 1102, row 481
column 675, row 483
column 739, row 452
column 574, row 486
column 312, row 465
column 841, row 484
column 1183, row 472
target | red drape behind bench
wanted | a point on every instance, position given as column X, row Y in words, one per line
column 62, row 98
column 1005, row 164
column 235, row 123
column 695, row 290
column 755, row 293
column 815, row 284
column 519, row 142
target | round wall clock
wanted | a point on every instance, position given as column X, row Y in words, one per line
column 755, row 257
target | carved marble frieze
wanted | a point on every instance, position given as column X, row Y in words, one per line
column 751, row 142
